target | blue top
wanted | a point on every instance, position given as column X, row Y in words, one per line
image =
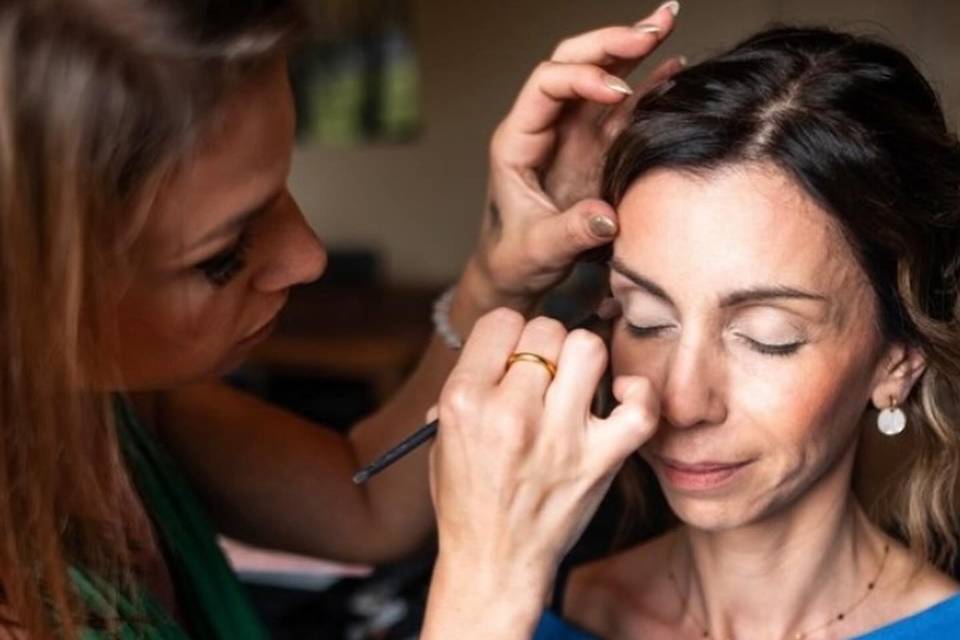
column 939, row 621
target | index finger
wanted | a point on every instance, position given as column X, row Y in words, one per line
column 610, row 45
column 577, row 71
column 551, row 86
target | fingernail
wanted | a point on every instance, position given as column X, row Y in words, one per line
column 646, row 27
column 663, row 87
column 603, row 227
column 673, row 7
column 682, row 61
column 617, row 85
column 609, row 308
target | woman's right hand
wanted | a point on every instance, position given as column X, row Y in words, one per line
column 518, row 469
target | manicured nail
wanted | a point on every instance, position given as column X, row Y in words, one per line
column 646, row 27
column 609, row 308
column 617, row 85
column 603, row 227
column 673, row 7
column 663, row 87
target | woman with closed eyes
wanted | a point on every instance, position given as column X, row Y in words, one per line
column 788, row 269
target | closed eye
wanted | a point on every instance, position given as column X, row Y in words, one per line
column 651, row 331
column 784, row 349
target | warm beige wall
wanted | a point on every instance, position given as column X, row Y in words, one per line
column 419, row 203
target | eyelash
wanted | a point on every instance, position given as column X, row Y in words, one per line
column 780, row 350
column 224, row 266
column 646, row 332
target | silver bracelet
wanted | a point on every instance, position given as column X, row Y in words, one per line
column 441, row 320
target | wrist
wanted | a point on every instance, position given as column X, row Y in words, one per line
column 474, row 295
column 478, row 294
column 489, row 599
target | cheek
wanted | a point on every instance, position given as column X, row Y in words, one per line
column 777, row 402
column 805, row 412
column 181, row 313
column 175, row 332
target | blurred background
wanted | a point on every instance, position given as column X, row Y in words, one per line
column 418, row 203
column 397, row 103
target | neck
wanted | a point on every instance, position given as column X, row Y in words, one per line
column 725, row 577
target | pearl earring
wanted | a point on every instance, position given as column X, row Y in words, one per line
column 892, row 420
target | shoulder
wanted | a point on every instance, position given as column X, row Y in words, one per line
column 917, row 600
column 938, row 620
column 614, row 596
column 918, row 585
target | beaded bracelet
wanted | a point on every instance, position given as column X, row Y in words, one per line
column 441, row 320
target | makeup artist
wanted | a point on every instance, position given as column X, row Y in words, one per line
column 148, row 240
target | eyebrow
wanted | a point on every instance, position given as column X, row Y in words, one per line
column 733, row 299
column 237, row 221
column 649, row 286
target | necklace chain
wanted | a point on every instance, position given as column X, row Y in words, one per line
column 800, row 635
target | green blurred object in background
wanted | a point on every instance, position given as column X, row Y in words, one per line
column 359, row 83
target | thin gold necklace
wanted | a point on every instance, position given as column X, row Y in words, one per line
column 800, row 635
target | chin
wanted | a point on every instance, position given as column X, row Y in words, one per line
column 731, row 511
column 229, row 364
column 210, row 372
column 709, row 515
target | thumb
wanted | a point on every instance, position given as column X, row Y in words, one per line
column 564, row 236
column 632, row 423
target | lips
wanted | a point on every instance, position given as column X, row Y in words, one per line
column 698, row 476
column 699, row 467
column 260, row 331
column 266, row 326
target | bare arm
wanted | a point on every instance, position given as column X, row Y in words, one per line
column 273, row 478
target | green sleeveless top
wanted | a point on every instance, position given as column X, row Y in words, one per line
column 211, row 599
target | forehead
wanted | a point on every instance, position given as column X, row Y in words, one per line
column 244, row 157
column 738, row 227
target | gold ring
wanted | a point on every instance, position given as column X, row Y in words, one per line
column 525, row 356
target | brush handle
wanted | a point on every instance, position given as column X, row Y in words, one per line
column 420, row 436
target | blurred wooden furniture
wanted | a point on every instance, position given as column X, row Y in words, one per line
column 370, row 333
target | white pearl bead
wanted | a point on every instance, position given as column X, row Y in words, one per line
column 891, row 421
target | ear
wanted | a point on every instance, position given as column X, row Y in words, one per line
column 898, row 370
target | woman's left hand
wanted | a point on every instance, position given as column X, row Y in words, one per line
column 542, row 209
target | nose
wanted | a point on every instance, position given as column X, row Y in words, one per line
column 294, row 255
column 692, row 394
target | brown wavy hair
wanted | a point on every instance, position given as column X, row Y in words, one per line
column 854, row 123
column 99, row 102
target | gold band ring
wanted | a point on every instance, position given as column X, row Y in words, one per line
column 525, row 356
